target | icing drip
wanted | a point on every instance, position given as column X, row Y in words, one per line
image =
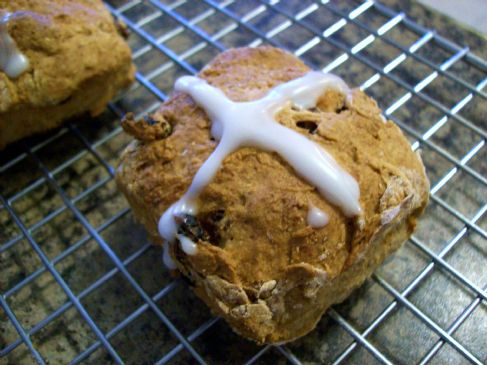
column 316, row 217
column 167, row 259
column 251, row 124
column 188, row 246
column 12, row 61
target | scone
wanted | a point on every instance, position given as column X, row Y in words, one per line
column 58, row 59
column 268, row 249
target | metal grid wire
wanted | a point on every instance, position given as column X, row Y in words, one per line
column 78, row 286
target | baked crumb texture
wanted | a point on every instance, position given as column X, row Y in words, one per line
column 259, row 265
column 78, row 61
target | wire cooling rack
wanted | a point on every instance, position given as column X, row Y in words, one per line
column 80, row 282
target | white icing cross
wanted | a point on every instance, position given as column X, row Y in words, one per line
column 252, row 124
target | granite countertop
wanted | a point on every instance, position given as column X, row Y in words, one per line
column 402, row 337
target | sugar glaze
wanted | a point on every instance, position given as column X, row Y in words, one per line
column 252, row 124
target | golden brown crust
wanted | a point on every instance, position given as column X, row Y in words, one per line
column 78, row 61
column 258, row 263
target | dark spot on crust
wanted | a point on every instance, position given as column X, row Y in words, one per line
column 149, row 120
column 308, row 125
column 212, row 223
column 204, row 228
column 67, row 100
column 251, row 294
column 190, row 227
column 217, row 215
column 150, row 128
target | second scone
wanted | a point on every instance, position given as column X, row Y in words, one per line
column 259, row 263
column 75, row 60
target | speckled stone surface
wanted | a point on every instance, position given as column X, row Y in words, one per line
column 108, row 297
